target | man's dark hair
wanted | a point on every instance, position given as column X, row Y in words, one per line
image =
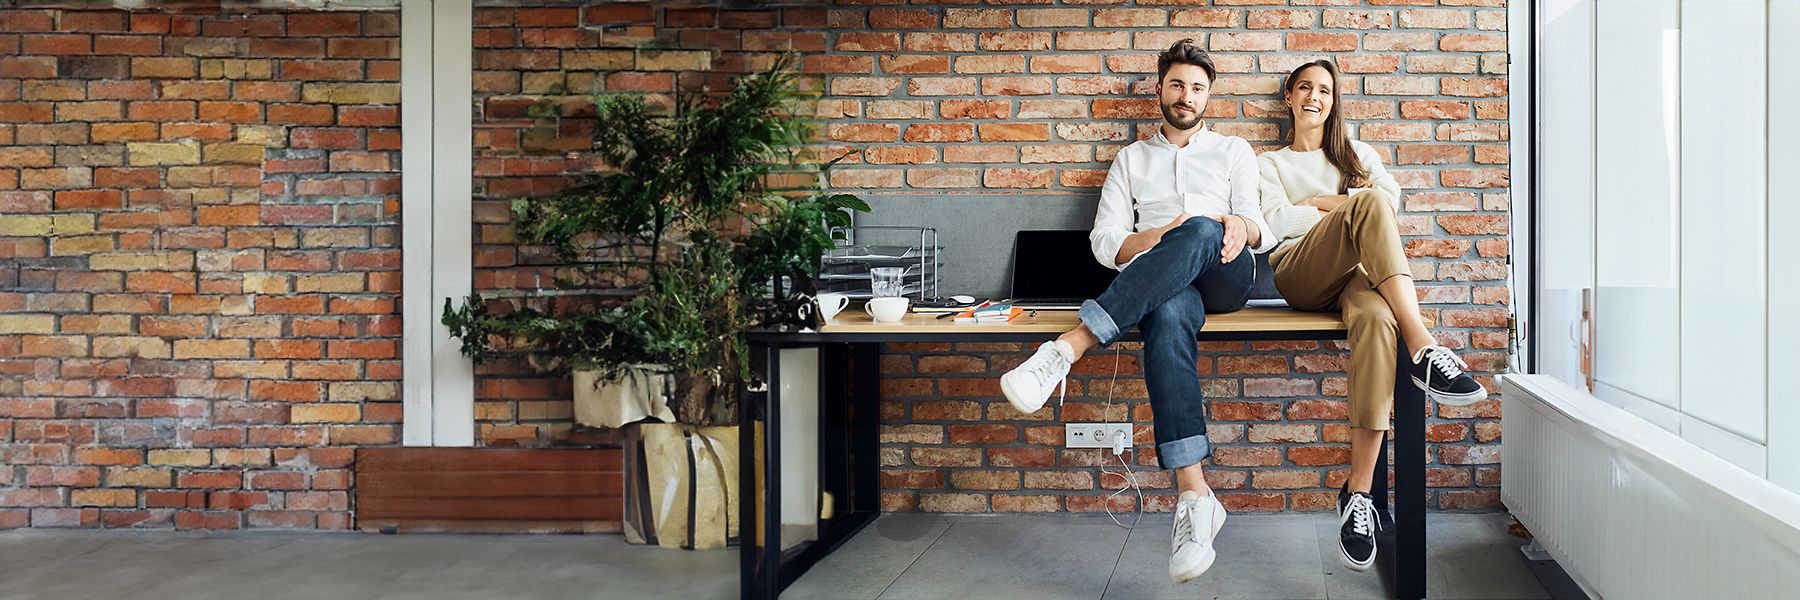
column 1185, row 52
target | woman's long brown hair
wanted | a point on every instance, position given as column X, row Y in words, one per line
column 1337, row 137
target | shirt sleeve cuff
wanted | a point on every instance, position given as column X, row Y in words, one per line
column 1268, row 237
column 1106, row 247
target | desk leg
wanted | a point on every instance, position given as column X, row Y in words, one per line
column 747, row 557
column 760, row 564
column 1409, row 482
column 771, row 575
column 865, row 452
column 1379, row 488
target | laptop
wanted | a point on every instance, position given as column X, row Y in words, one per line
column 1056, row 270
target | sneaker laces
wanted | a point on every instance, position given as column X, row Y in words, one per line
column 1362, row 515
column 1184, row 524
column 1043, row 371
column 1445, row 361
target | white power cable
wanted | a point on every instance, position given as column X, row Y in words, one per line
column 1118, row 447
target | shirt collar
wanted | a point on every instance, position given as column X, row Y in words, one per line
column 1164, row 140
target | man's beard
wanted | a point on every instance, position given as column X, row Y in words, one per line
column 1174, row 118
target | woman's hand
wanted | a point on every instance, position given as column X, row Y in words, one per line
column 1326, row 203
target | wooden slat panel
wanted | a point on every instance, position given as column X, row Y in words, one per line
column 1249, row 320
column 489, row 484
column 370, row 460
column 490, row 489
column 468, row 526
column 486, row 509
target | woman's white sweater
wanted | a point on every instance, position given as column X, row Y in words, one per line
column 1289, row 177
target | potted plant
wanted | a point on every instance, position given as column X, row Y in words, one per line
column 689, row 219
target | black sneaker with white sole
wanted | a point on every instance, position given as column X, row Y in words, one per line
column 1439, row 372
column 1357, row 524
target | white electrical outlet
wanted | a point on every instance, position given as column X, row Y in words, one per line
column 1095, row 435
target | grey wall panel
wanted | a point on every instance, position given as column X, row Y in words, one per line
column 976, row 230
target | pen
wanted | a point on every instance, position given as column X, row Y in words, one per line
column 971, row 310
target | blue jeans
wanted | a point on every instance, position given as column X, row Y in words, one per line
column 1166, row 293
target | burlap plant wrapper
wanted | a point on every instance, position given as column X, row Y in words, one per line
column 715, row 482
column 666, row 459
column 693, row 484
column 638, row 526
column 641, row 392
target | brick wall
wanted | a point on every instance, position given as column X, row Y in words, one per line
column 982, row 99
column 198, row 216
column 988, row 98
column 201, row 265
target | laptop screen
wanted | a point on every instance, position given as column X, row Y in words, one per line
column 1057, row 264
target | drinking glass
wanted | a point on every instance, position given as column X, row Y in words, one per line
column 888, row 281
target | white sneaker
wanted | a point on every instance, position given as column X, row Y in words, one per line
column 1028, row 386
column 1197, row 522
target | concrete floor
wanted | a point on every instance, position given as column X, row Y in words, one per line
column 900, row 556
column 1284, row 556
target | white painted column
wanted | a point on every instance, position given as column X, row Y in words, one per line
column 436, row 157
column 1784, row 248
column 1520, row 79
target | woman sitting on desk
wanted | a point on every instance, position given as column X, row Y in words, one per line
column 1331, row 206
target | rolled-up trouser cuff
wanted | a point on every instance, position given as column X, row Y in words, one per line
column 1099, row 322
column 1183, row 452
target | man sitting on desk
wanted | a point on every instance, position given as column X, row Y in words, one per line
column 1176, row 214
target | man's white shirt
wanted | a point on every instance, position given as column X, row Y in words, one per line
column 1152, row 181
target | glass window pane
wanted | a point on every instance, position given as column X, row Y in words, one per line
column 1723, row 181
column 1637, row 97
column 1565, row 204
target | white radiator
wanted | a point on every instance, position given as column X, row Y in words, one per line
column 1631, row 510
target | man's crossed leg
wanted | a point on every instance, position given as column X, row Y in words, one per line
column 1166, row 293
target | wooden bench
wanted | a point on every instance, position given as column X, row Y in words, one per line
column 849, row 421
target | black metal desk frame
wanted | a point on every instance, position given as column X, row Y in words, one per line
column 849, row 432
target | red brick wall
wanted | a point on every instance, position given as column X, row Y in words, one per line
column 198, row 212
column 201, row 265
column 999, row 97
column 994, row 98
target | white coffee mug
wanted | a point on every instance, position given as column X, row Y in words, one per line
column 887, row 310
column 830, row 303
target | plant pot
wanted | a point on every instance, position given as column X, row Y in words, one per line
column 641, row 392
column 681, row 485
